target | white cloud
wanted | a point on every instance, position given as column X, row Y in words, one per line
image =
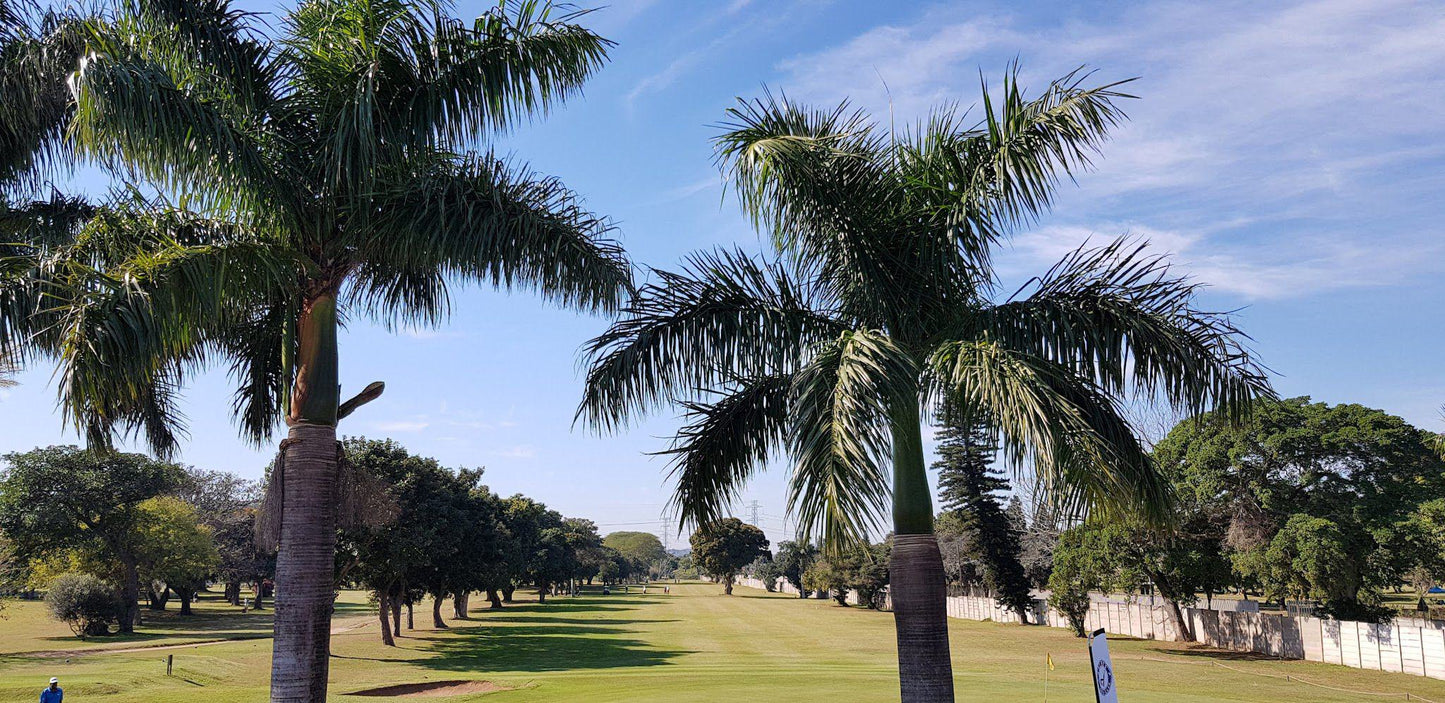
column 1278, row 149
column 521, row 451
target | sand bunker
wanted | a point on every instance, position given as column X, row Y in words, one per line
column 431, row 689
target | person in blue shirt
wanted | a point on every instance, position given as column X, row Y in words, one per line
column 53, row 694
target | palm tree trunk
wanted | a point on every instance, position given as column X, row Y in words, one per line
column 301, row 652
column 302, row 649
column 919, row 590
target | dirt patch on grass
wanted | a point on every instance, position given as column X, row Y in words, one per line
column 431, row 689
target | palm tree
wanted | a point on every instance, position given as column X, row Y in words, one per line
column 881, row 303
column 39, row 48
column 299, row 182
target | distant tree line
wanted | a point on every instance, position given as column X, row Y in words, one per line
column 102, row 533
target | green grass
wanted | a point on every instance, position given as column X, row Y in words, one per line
column 694, row 644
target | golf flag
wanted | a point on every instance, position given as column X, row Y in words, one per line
column 1105, row 688
column 1051, row 661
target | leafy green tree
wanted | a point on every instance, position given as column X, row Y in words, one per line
column 1361, row 471
column 766, row 570
column 969, row 487
column 227, row 505
column 641, row 548
column 793, row 560
column 870, row 576
column 723, row 547
column 85, row 603
column 174, row 549
column 1082, row 564
column 832, row 573
column 306, row 173
column 881, row 294
column 591, row 553
column 1311, row 558
column 57, row 499
column 554, row 561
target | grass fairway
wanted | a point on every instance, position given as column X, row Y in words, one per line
column 694, row 644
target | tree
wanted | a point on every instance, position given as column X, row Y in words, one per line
column 1081, row 565
column 40, row 45
column 766, row 570
column 880, row 301
column 793, row 560
column 643, row 549
column 63, row 498
column 174, row 550
column 227, row 505
column 722, row 548
column 319, row 172
column 1359, row 471
column 85, row 603
column 424, row 547
column 969, row 488
column 832, row 574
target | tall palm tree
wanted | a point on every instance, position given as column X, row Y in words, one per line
column 881, row 303
column 299, row 181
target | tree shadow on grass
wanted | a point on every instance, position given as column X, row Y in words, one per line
column 1206, row 652
column 542, row 648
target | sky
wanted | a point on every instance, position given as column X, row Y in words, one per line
column 1289, row 156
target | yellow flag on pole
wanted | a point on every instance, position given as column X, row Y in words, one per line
column 1051, row 661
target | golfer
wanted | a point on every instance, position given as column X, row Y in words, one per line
column 52, row 694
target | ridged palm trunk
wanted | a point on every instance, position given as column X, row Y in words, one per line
column 301, row 651
column 916, row 577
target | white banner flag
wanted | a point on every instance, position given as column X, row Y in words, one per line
column 1106, row 689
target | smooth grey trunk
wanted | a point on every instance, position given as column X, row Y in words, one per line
column 920, row 615
column 461, row 604
column 301, row 650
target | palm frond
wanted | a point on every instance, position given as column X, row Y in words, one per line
column 841, row 431
column 724, row 316
column 135, row 113
column 481, row 220
column 39, row 47
column 512, row 64
column 724, row 443
column 1083, row 450
column 137, row 304
column 1120, row 317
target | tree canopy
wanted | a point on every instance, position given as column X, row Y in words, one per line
column 723, row 547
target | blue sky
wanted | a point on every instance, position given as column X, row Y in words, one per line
column 1291, row 156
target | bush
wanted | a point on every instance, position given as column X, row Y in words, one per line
column 85, row 603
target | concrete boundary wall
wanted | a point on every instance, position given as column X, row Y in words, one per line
column 1407, row 645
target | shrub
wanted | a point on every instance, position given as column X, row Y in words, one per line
column 85, row 603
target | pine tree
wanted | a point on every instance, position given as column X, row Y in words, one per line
column 970, row 488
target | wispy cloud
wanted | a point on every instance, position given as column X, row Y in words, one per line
column 1280, row 150
column 521, row 451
